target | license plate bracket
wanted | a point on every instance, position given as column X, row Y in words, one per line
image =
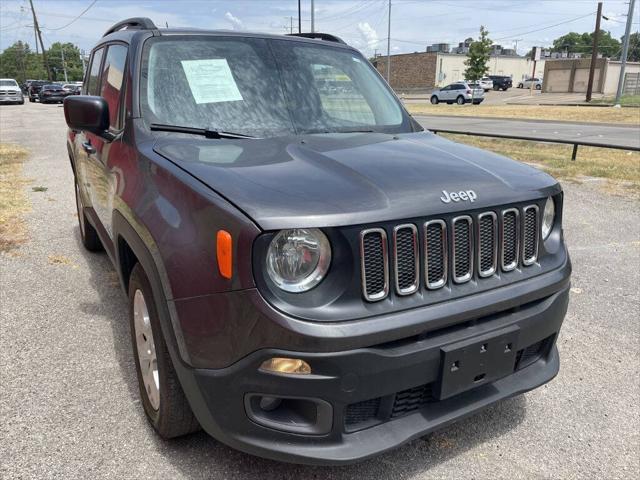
column 477, row 361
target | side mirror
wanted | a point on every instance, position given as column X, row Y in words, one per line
column 84, row 112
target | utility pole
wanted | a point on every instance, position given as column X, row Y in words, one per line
column 594, row 53
column 64, row 65
column 291, row 26
column 516, row 42
column 299, row 19
column 44, row 53
column 389, row 46
column 84, row 67
column 625, row 52
column 313, row 17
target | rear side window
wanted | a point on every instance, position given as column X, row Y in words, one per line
column 94, row 72
column 112, row 81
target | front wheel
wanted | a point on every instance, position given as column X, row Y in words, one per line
column 162, row 397
column 460, row 100
column 520, row 85
column 434, row 100
column 538, row 87
column 31, row 100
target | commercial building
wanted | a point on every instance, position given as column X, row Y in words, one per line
column 572, row 75
column 423, row 71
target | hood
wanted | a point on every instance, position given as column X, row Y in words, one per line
column 347, row 179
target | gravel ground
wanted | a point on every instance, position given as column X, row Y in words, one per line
column 69, row 404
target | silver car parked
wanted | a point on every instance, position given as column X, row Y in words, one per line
column 460, row 93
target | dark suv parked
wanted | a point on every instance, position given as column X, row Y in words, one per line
column 500, row 82
column 311, row 276
column 33, row 90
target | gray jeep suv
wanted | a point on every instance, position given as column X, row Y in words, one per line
column 311, row 277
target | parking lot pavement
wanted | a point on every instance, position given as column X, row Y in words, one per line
column 69, row 403
column 601, row 134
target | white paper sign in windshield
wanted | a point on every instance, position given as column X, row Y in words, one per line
column 211, row 81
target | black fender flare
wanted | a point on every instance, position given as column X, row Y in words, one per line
column 156, row 272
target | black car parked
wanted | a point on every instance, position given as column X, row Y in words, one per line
column 33, row 90
column 53, row 94
column 311, row 276
column 501, row 82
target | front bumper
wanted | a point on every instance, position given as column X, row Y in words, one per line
column 371, row 380
column 11, row 98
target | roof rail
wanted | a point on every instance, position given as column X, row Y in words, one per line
column 136, row 23
column 327, row 37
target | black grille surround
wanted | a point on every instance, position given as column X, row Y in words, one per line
column 449, row 251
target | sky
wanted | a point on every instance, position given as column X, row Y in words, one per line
column 361, row 23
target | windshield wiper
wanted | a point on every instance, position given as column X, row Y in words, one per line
column 205, row 132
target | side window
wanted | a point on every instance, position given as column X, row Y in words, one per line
column 338, row 96
column 448, row 87
column 112, row 82
column 94, row 73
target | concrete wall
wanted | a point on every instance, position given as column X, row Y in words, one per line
column 572, row 75
column 450, row 68
column 613, row 73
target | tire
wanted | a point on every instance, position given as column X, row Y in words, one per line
column 31, row 100
column 496, row 88
column 88, row 234
column 434, row 100
column 21, row 102
column 520, row 85
column 538, row 87
column 460, row 100
column 161, row 394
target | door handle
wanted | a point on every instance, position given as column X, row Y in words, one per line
column 88, row 147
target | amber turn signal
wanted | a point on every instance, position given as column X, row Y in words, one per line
column 286, row 365
column 224, row 247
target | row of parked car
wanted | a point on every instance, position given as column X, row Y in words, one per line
column 43, row 91
column 473, row 92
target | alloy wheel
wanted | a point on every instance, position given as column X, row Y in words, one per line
column 146, row 349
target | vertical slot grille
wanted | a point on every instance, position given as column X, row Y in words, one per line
column 487, row 244
column 374, row 264
column 510, row 239
column 435, row 253
column 530, row 235
column 405, row 258
column 462, row 249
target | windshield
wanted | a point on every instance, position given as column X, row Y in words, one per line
column 8, row 83
column 263, row 87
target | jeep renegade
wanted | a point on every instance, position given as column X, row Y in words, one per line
column 311, row 276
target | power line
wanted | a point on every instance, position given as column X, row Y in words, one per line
column 76, row 18
column 545, row 28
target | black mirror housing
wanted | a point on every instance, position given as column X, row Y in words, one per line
column 88, row 113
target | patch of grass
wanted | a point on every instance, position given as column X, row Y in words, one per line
column 13, row 201
column 624, row 100
column 59, row 260
column 620, row 167
column 535, row 112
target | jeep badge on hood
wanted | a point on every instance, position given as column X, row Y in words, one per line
column 457, row 196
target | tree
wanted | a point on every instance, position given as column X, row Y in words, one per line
column 19, row 62
column 582, row 43
column 478, row 57
column 634, row 47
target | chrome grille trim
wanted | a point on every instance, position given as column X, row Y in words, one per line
column 469, row 249
column 507, row 267
column 382, row 294
column 432, row 283
column 494, row 239
column 416, row 256
column 536, row 229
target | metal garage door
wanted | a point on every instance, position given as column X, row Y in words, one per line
column 581, row 80
column 558, row 80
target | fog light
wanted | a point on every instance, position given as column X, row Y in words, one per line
column 293, row 366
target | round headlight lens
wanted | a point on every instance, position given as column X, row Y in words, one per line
column 298, row 259
column 548, row 218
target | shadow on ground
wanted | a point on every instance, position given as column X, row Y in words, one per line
column 200, row 456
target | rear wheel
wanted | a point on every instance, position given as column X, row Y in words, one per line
column 88, row 234
column 520, row 85
column 538, row 87
column 162, row 397
column 434, row 100
column 460, row 100
column 31, row 100
column 496, row 88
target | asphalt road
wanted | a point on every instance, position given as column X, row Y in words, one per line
column 622, row 135
column 69, row 403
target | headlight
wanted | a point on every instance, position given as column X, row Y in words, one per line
column 298, row 259
column 548, row 218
